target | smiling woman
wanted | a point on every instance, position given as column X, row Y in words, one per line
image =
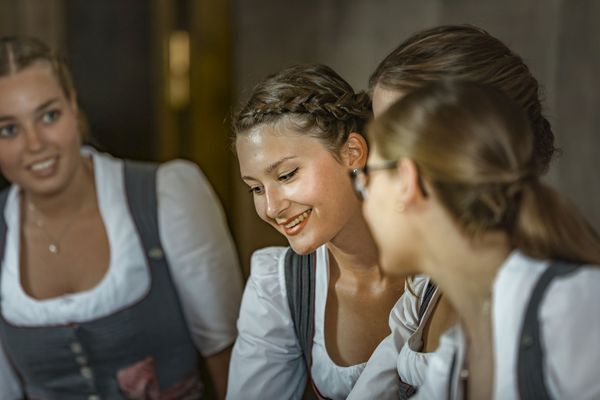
column 75, row 256
column 297, row 137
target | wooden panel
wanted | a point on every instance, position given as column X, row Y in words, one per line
column 210, row 76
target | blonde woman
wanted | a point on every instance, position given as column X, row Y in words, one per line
column 452, row 190
column 443, row 52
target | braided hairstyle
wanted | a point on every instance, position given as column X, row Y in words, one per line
column 475, row 147
column 468, row 53
column 314, row 98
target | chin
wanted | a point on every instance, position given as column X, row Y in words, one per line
column 303, row 248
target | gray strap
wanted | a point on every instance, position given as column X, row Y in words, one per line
column 300, row 285
column 140, row 187
column 3, row 228
column 530, row 367
column 429, row 291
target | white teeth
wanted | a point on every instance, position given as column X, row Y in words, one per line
column 298, row 219
column 43, row 165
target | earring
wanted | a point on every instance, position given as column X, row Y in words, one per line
column 400, row 207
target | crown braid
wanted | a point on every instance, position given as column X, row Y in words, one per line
column 317, row 100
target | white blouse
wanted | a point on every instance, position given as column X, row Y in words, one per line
column 569, row 331
column 267, row 360
column 399, row 355
column 196, row 241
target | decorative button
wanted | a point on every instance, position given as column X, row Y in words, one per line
column 86, row 372
column 526, row 340
column 81, row 360
column 76, row 347
column 155, row 253
column 94, row 397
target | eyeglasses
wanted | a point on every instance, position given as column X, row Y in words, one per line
column 360, row 177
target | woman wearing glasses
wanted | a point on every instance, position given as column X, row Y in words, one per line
column 459, row 52
column 296, row 138
column 458, row 197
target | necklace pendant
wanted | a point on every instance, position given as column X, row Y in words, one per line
column 53, row 248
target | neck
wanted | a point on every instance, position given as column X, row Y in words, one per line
column 77, row 193
column 465, row 269
column 353, row 250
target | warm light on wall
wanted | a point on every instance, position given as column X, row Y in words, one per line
column 179, row 70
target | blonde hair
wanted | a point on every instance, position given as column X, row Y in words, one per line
column 20, row 52
column 475, row 147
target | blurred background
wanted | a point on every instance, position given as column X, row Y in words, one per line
column 159, row 79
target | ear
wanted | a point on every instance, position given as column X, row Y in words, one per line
column 355, row 151
column 408, row 189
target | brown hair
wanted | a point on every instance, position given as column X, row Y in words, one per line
column 468, row 53
column 314, row 98
column 474, row 146
column 18, row 53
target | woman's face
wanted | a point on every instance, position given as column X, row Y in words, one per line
column 298, row 186
column 387, row 219
column 39, row 135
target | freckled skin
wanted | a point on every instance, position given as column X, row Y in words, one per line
column 320, row 183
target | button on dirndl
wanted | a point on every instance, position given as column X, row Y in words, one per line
column 86, row 372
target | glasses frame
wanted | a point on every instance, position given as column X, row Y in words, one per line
column 360, row 186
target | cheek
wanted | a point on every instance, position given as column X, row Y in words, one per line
column 9, row 160
column 260, row 207
column 67, row 131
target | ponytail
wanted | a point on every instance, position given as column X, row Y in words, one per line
column 549, row 226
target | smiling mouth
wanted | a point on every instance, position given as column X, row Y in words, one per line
column 298, row 219
column 43, row 165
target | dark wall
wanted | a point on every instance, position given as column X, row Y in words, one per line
column 110, row 50
column 558, row 39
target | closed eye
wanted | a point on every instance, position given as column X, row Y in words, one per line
column 287, row 176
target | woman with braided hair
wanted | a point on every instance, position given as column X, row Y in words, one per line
column 296, row 138
column 452, row 190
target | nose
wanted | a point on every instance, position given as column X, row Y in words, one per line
column 276, row 203
column 34, row 139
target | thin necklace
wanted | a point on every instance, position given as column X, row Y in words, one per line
column 55, row 245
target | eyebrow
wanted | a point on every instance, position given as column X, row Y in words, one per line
column 37, row 109
column 272, row 167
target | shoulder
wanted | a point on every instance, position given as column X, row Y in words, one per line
column 179, row 173
column 184, row 190
column 406, row 309
column 574, row 297
column 267, row 268
column 570, row 327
